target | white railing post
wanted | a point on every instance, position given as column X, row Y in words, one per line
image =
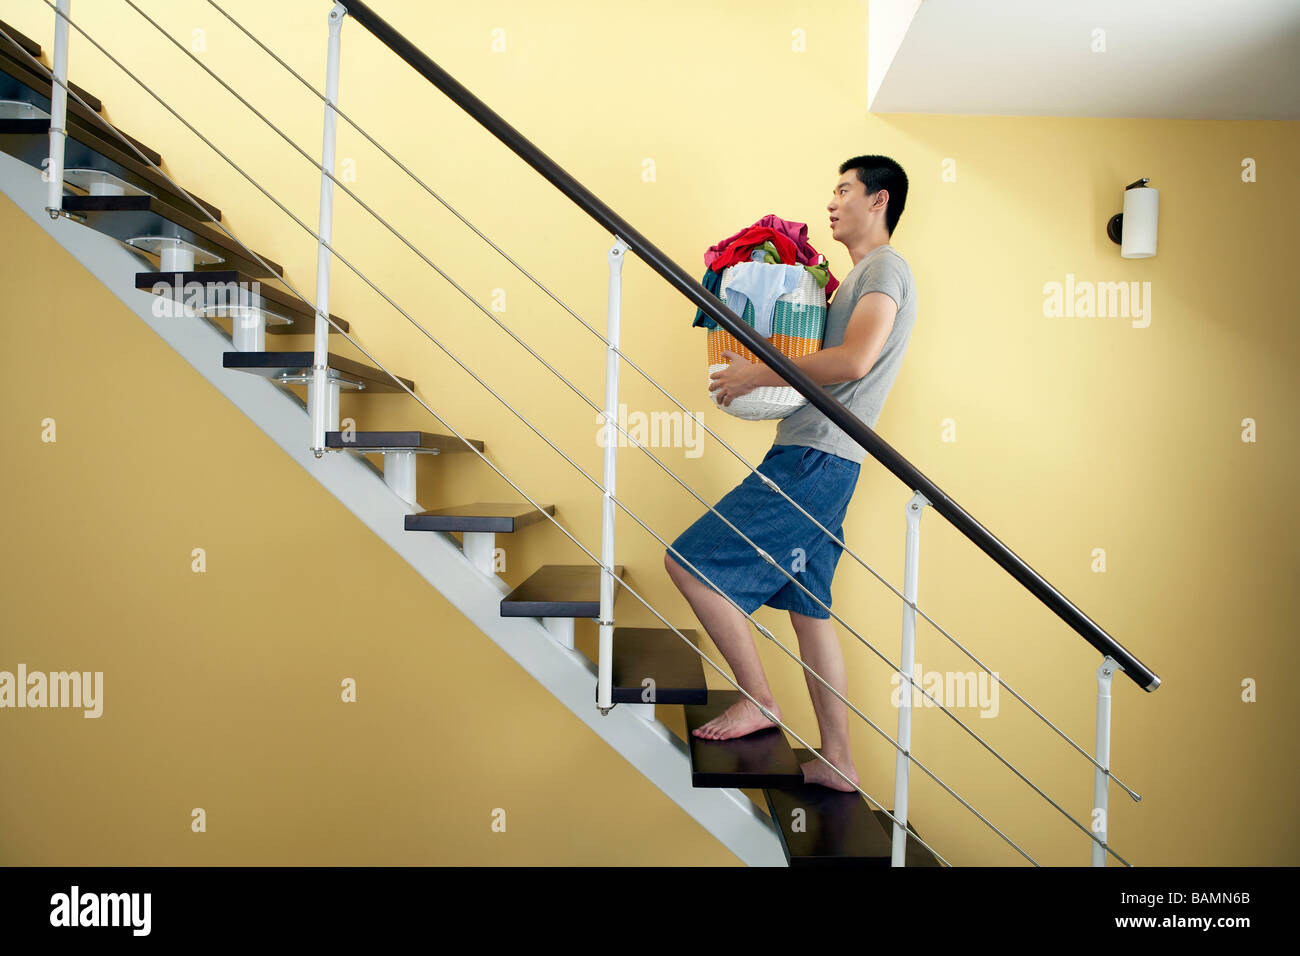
column 604, row 657
column 1101, row 777
column 58, row 111
column 322, row 394
column 906, row 664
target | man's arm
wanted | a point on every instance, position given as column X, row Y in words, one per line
column 864, row 337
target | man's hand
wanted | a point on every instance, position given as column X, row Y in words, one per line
column 740, row 377
column 864, row 339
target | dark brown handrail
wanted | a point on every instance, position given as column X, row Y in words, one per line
column 700, row 297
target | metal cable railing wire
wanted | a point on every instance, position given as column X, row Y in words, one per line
column 576, row 390
column 695, row 293
column 530, row 500
column 182, row 191
column 653, row 381
column 808, row 669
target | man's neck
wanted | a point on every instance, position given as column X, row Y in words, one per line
column 863, row 247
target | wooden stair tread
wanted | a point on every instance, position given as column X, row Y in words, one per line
column 559, row 590
column 126, row 217
column 275, row 300
column 275, row 364
column 482, row 517
column 663, row 657
column 761, row 759
column 410, row 440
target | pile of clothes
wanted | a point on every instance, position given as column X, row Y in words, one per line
column 771, row 240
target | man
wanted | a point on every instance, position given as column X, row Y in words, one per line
column 814, row 462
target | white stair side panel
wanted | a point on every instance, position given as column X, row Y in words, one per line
column 648, row 745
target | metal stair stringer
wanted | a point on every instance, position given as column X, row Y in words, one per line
column 648, row 745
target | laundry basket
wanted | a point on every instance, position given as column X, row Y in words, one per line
column 798, row 326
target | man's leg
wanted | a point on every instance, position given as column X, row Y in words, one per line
column 819, row 646
column 729, row 629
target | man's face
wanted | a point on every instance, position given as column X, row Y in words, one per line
column 849, row 207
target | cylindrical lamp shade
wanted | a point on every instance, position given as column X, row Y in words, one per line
column 1141, row 215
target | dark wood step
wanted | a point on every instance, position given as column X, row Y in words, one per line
column 22, row 80
column 11, row 51
column 84, row 148
column 416, row 441
column 663, row 657
column 127, row 217
column 483, row 517
column 915, row 854
column 559, row 590
column 824, row 827
column 302, row 316
column 26, row 42
column 277, row 365
column 761, row 759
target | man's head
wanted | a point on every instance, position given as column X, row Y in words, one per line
column 870, row 193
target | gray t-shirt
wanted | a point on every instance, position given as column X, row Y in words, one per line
column 881, row 270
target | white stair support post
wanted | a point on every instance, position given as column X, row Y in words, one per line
column 1101, row 779
column 248, row 329
column 480, row 547
column 560, row 628
column 399, row 474
column 175, row 255
column 605, row 651
column 98, row 182
column 903, row 763
column 106, row 186
column 58, row 111
column 318, row 393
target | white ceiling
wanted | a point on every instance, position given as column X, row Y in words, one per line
column 1178, row 59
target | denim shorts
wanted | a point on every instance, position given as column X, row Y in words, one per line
column 822, row 484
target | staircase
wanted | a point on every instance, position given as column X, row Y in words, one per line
column 118, row 213
column 111, row 233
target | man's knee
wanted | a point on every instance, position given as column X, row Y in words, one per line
column 808, row 628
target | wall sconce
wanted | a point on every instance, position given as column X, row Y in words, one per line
column 1135, row 228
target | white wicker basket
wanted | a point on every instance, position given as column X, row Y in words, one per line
column 798, row 326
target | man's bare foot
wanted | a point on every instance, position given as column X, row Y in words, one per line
column 739, row 719
column 814, row 771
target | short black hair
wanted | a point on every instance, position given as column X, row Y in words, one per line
column 881, row 172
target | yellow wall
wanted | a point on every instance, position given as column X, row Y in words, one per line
column 1072, row 434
